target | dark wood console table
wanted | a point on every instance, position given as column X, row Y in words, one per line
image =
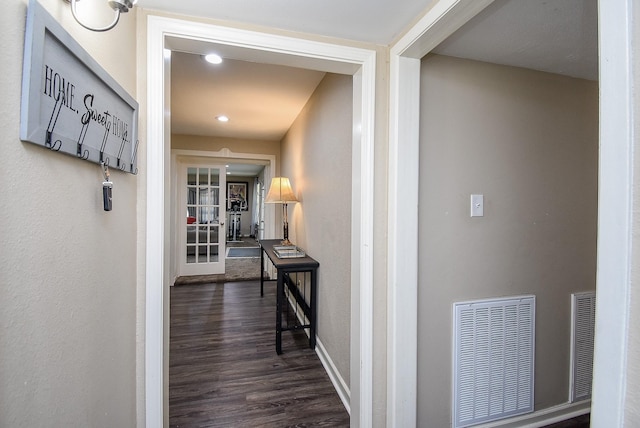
column 295, row 288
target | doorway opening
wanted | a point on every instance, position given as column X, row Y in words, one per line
column 237, row 227
column 360, row 63
column 614, row 176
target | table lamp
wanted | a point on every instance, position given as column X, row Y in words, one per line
column 280, row 192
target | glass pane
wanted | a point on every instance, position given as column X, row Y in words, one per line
column 203, row 176
column 203, row 198
column 191, row 196
column 205, row 215
column 191, row 234
column 213, row 234
column 213, row 253
column 202, row 253
column 215, row 197
column 191, row 215
column 202, row 234
column 215, row 215
column 215, row 177
column 191, row 176
column 191, row 254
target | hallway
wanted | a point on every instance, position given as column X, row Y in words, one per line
column 236, row 268
column 224, row 370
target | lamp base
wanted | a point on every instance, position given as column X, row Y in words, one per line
column 286, row 241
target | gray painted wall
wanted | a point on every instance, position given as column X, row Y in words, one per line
column 68, row 276
column 528, row 141
column 316, row 156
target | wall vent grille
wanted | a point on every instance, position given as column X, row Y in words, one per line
column 493, row 367
column 583, row 311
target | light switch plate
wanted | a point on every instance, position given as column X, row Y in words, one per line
column 477, row 205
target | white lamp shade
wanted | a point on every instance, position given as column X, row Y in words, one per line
column 280, row 191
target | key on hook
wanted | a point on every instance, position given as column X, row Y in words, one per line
column 107, row 188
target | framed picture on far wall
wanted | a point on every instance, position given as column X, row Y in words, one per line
column 237, row 196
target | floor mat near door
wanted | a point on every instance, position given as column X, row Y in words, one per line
column 243, row 252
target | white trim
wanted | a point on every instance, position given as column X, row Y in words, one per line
column 341, row 387
column 337, row 380
column 154, row 304
column 402, row 293
column 615, row 215
column 329, row 56
column 444, row 18
column 362, row 247
column 544, row 417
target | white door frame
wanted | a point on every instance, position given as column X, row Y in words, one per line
column 361, row 63
column 224, row 155
column 614, row 205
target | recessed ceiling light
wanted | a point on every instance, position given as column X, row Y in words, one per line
column 213, row 58
column 222, row 118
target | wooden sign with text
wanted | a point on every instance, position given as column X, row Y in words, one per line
column 69, row 103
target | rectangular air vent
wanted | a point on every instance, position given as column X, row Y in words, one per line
column 583, row 317
column 494, row 342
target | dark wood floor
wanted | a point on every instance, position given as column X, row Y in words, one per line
column 224, row 370
column 578, row 422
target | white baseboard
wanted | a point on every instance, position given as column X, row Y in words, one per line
column 336, row 379
column 334, row 375
column 544, row 417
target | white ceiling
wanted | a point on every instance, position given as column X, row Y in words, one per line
column 261, row 100
column 244, row 169
column 374, row 21
column 558, row 36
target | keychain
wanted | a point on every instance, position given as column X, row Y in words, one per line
column 107, row 187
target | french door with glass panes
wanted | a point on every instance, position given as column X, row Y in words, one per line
column 202, row 233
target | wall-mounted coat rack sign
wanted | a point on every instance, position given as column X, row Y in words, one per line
column 69, row 103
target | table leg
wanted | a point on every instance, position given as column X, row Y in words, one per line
column 279, row 300
column 312, row 306
column 262, row 272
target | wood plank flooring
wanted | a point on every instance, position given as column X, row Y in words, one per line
column 577, row 422
column 224, row 370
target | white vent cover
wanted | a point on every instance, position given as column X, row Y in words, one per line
column 493, row 367
column 583, row 317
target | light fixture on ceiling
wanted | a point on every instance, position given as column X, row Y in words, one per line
column 213, row 58
column 118, row 6
column 222, row 118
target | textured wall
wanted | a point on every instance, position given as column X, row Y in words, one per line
column 68, row 275
column 528, row 141
column 632, row 405
column 316, row 156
